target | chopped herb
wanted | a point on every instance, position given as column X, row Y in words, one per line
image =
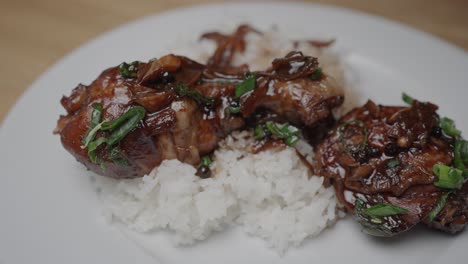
column 96, row 116
column 460, row 160
column 292, row 140
column 393, row 163
column 276, row 130
column 116, row 157
column 234, row 109
column 358, row 205
column 129, row 70
column 259, row 132
column 439, row 206
column 317, row 74
column 407, row 99
column 286, row 132
column 448, row 126
column 118, row 129
column 245, row 86
column 203, row 170
column 132, row 112
column 371, row 225
column 183, row 90
column 448, row 177
column 384, row 209
column 92, row 147
column 206, row 161
column 124, row 124
column 102, row 164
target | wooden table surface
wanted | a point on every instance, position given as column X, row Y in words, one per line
column 35, row 34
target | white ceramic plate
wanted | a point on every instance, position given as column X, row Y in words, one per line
column 49, row 212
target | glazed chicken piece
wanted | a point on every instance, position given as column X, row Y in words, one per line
column 185, row 108
column 380, row 155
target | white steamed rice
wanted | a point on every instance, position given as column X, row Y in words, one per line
column 271, row 195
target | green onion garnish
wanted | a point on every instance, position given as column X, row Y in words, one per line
column 317, row 74
column 448, row 126
column 234, row 109
column 275, row 129
column 384, row 209
column 393, row 163
column 118, row 129
column 96, row 116
column 448, row 177
column 460, row 160
column 286, row 132
column 206, row 161
column 182, row 90
column 116, row 157
column 439, row 206
column 124, row 124
column 92, row 147
column 290, row 141
column 245, row 86
column 259, row 132
column 407, row 99
column 129, row 70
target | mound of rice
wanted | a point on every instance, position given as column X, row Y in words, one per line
column 271, row 195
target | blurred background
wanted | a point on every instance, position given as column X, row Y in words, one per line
column 35, row 34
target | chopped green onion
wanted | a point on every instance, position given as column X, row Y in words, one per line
column 448, row 126
column 460, row 159
column 407, row 99
column 183, row 90
column 102, row 164
column 448, row 177
column 372, row 225
column 393, row 163
column 358, row 205
column 384, row 209
column 136, row 111
column 128, row 70
column 124, row 124
column 206, row 161
column 290, row 141
column 118, row 128
column 275, row 130
column 92, row 147
column 96, row 116
column 116, row 157
column 234, row 109
column 245, row 86
column 286, row 132
column 259, row 132
column 439, row 206
column 317, row 74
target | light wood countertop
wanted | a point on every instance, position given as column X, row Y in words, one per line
column 35, row 34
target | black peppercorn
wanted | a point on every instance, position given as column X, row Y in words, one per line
column 391, row 149
column 437, row 132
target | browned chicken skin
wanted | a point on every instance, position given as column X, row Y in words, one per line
column 378, row 154
column 180, row 126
